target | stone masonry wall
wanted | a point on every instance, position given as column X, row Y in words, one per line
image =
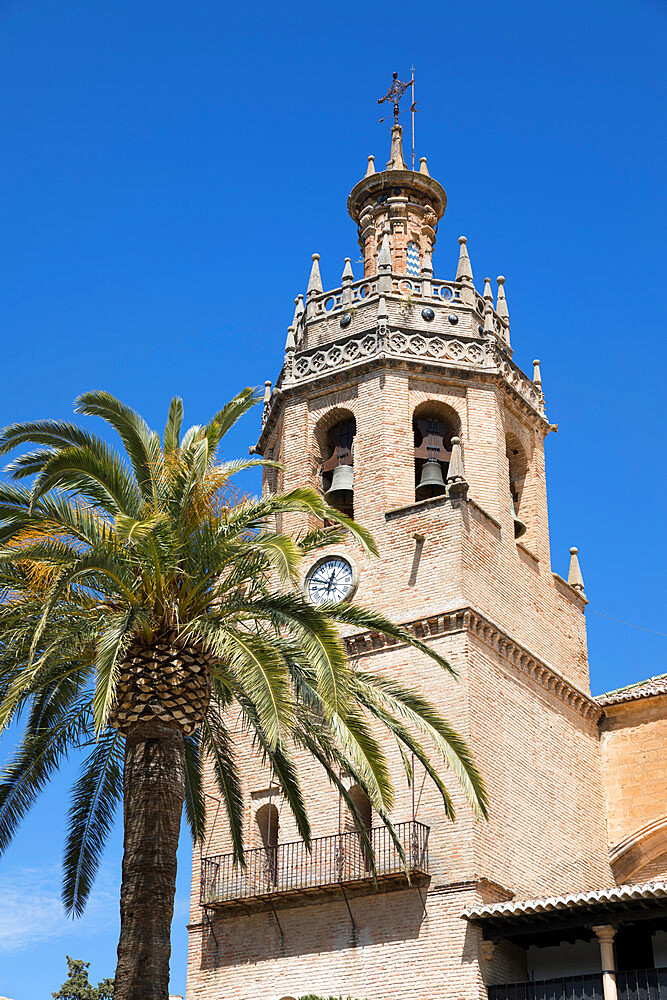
column 634, row 745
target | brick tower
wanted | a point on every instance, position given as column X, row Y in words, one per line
column 399, row 398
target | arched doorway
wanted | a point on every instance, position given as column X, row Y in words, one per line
column 360, row 853
column 267, row 825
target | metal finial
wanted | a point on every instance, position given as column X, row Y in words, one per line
column 394, row 94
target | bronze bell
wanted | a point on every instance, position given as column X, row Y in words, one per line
column 431, row 483
column 519, row 526
column 342, row 481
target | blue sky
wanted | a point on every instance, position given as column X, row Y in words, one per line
column 167, row 171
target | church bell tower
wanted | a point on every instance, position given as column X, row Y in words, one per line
column 400, row 400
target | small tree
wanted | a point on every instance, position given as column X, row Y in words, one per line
column 77, row 987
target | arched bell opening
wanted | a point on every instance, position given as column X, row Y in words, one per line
column 364, row 823
column 518, row 469
column 433, row 429
column 266, row 819
column 338, row 465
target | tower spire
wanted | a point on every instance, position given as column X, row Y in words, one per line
column 396, row 161
column 464, row 269
column 394, row 94
column 315, row 281
column 409, row 202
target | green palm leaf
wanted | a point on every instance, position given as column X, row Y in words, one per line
column 141, row 444
column 172, row 430
column 217, row 744
column 95, row 797
column 108, row 549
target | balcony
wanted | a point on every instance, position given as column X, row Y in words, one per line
column 642, row 984
column 289, row 873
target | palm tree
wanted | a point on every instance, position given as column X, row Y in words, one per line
column 141, row 598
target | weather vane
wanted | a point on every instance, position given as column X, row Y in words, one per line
column 394, row 94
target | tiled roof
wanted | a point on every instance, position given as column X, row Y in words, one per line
column 642, row 689
column 573, row 900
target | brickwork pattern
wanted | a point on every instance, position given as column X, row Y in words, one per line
column 526, row 738
column 522, row 696
column 482, row 564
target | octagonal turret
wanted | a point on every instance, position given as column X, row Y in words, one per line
column 405, row 204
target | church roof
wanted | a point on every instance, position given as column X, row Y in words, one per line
column 633, row 692
column 580, row 900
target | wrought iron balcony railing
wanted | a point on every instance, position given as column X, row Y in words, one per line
column 338, row 860
column 640, row 984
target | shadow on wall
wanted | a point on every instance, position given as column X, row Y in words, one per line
column 321, row 927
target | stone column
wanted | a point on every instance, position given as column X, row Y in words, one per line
column 605, row 935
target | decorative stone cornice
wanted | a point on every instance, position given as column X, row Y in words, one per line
column 470, row 620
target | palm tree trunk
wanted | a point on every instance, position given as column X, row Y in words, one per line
column 153, row 788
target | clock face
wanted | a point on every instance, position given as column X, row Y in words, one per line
column 330, row 579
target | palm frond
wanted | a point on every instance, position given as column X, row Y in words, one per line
column 261, row 671
column 141, row 443
column 195, row 803
column 383, row 693
column 218, row 746
column 96, row 795
column 38, row 756
column 225, row 418
column 100, row 478
column 54, row 434
column 172, row 430
column 284, row 769
column 112, row 642
column 352, row 614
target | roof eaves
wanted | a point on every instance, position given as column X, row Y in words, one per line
column 578, row 900
column 633, row 692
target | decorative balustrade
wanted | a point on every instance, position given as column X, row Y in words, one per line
column 525, row 387
column 357, row 292
column 304, row 362
column 640, row 984
column 353, row 295
column 340, row 859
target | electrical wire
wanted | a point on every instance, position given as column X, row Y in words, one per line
column 631, row 624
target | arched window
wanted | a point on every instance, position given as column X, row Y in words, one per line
column 353, row 825
column 267, row 824
column 518, row 467
column 338, row 466
column 433, row 442
column 412, row 259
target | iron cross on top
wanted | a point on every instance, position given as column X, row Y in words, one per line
column 395, row 93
